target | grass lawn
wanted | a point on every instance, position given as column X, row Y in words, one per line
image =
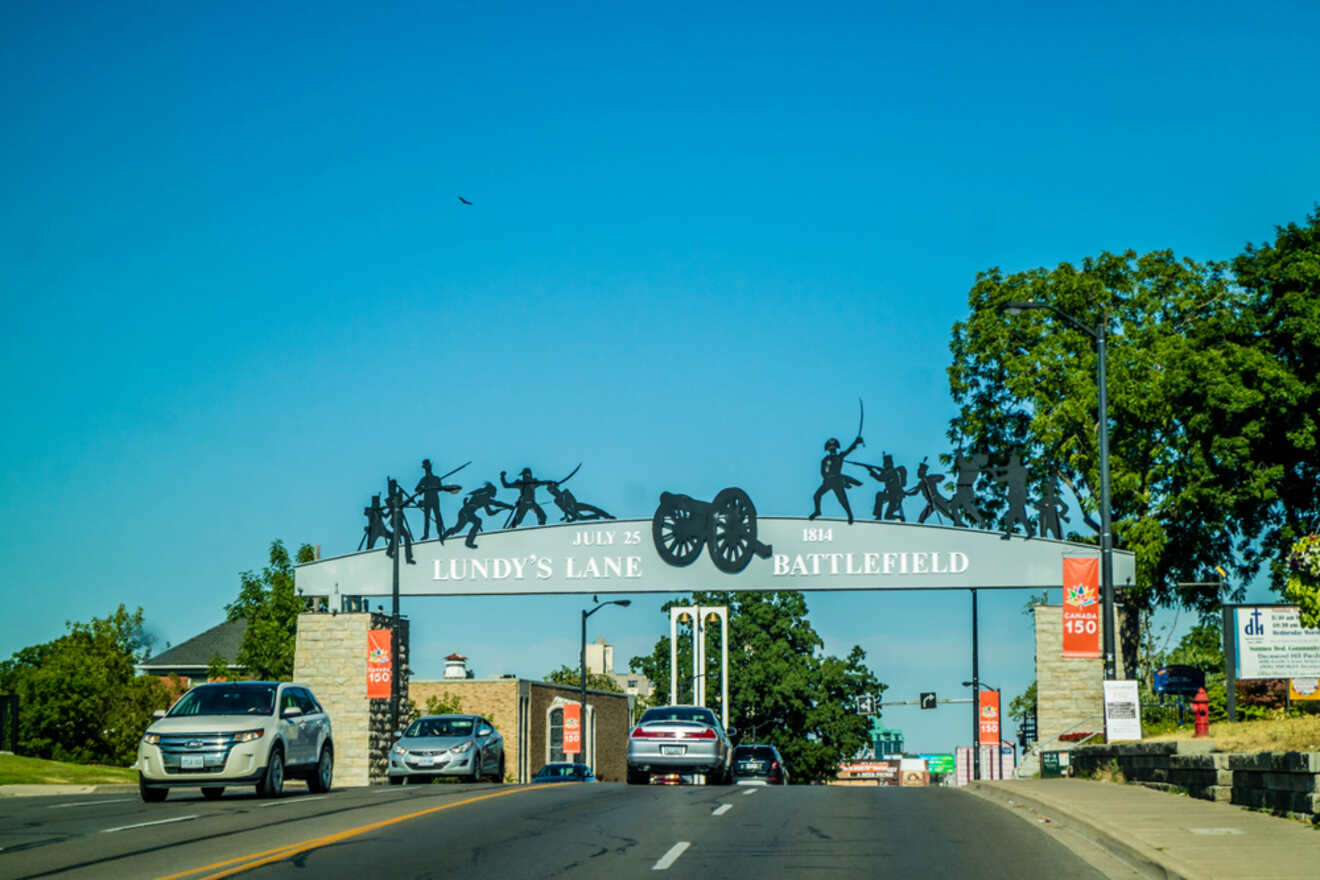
column 1272, row 735
column 15, row 769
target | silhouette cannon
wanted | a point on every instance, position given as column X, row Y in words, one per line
column 726, row 527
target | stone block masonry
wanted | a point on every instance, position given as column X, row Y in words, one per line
column 330, row 657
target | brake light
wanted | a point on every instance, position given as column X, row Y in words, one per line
column 708, row 733
column 774, row 765
column 642, row 733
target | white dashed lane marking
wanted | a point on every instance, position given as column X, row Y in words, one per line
column 721, row 809
column 670, row 857
column 145, row 824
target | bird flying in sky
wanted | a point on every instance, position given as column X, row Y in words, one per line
column 464, row 201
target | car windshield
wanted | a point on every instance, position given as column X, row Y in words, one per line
column 227, row 699
column 440, row 727
column 562, row 770
column 679, row 713
column 754, row 753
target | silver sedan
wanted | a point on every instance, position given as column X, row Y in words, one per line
column 679, row 739
column 467, row 746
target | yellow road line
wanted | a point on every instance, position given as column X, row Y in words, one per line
column 265, row 857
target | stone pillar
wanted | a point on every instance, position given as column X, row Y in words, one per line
column 330, row 657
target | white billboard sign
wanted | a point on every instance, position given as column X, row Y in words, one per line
column 1122, row 711
column 1270, row 642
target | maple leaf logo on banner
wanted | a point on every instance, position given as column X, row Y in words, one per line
column 989, row 711
column 377, row 655
column 1081, row 595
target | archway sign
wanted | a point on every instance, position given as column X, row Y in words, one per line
column 690, row 545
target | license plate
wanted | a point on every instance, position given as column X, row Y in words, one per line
column 753, row 766
column 673, row 750
column 425, row 762
column 191, row 762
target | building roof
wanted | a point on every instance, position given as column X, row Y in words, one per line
column 224, row 640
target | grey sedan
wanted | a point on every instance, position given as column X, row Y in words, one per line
column 467, row 746
column 679, row 739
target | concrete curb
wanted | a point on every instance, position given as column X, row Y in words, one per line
column 47, row 790
column 1144, row 860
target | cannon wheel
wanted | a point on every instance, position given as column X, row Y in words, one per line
column 733, row 531
column 675, row 531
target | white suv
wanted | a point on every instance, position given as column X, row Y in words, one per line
column 235, row 733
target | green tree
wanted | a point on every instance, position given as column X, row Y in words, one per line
column 1281, row 280
column 79, row 698
column 783, row 690
column 573, row 678
column 1023, row 705
column 1303, row 584
column 1181, row 371
column 270, row 606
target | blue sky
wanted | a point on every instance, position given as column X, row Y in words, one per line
column 240, row 290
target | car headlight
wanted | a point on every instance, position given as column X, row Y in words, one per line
column 399, row 750
column 461, row 748
column 248, row 735
column 151, row 739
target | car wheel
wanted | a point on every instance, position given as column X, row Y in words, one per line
column 272, row 783
column 636, row 777
column 499, row 773
column 213, row 792
column 476, row 768
column 319, row 782
column 150, row 793
column 396, row 780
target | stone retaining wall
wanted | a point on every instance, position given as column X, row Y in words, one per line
column 1285, row 783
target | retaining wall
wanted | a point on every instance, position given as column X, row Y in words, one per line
column 1285, row 783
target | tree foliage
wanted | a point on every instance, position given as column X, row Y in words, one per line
column 270, row 606
column 1212, row 396
column 783, row 690
column 573, row 678
column 79, row 699
column 1023, row 705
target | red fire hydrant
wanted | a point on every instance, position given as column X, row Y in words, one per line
column 1201, row 709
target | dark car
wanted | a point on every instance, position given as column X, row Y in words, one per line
column 564, row 772
column 758, row 765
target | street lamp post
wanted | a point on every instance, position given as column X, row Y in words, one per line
column 1106, row 531
column 581, row 757
column 976, row 684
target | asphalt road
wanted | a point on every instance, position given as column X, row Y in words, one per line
column 601, row 830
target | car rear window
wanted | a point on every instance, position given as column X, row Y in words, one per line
column 679, row 713
column 754, row 753
column 227, row 699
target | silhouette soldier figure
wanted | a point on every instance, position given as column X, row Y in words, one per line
column 889, row 500
column 526, row 485
column 1051, row 509
column 375, row 528
column 430, row 487
column 573, row 509
column 477, row 499
column 1014, row 475
column 928, row 485
column 832, row 477
column 395, row 501
column 969, row 468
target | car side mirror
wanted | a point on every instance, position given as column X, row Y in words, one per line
column 732, row 731
column 398, row 734
column 485, row 731
column 290, row 711
column 159, row 713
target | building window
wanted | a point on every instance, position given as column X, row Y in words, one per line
column 554, row 720
column 556, row 752
column 632, row 682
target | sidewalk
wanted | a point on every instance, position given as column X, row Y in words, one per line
column 1166, row 835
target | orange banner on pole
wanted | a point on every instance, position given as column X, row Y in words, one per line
column 1081, row 607
column 378, row 664
column 572, row 729
column 989, row 715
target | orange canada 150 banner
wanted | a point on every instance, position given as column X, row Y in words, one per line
column 378, row 664
column 989, row 715
column 572, row 729
column 1081, row 607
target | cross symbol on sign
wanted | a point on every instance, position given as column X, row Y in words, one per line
column 928, row 700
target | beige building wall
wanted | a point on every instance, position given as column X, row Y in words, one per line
column 521, row 709
column 1069, row 690
column 330, row 657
